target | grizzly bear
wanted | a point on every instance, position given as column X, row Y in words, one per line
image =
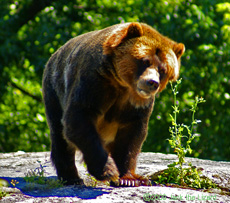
column 99, row 91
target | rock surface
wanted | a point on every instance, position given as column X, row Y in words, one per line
column 14, row 166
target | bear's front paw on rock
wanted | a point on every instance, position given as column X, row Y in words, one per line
column 110, row 171
column 105, row 172
column 131, row 181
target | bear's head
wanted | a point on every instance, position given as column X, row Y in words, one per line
column 143, row 59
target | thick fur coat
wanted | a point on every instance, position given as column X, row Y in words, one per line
column 99, row 91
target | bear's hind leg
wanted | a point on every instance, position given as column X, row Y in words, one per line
column 63, row 158
column 62, row 155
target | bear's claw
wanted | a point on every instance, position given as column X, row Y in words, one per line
column 130, row 183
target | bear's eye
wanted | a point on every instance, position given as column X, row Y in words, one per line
column 142, row 65
column 145, row 62
column 157, row 52
column 162, row 72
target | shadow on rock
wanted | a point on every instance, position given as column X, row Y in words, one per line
column 41, row 190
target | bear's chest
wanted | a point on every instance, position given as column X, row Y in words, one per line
column 107, row 130
column 115, row 118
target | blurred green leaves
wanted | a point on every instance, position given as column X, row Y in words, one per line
column 30, row 31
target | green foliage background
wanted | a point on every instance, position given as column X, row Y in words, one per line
column 31, row 30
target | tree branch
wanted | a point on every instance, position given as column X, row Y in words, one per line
column 37, row 98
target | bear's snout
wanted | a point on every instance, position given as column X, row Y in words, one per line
column 148, row 83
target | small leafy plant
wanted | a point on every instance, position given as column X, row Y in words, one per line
column 37, row 176
column 177, row 131
column 181, row 137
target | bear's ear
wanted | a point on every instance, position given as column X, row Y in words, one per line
column 120, row 34
column 179, row 50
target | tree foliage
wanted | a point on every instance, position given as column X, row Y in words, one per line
column 32, row 30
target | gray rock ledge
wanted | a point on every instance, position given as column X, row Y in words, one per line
column 13, row 166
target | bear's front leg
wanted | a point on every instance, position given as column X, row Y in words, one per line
column 79, row 130
column 125, row 150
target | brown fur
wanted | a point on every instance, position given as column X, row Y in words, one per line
column 99, row 91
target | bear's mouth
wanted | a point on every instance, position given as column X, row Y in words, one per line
column 144, row 93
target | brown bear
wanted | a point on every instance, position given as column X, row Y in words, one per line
column 99, row 91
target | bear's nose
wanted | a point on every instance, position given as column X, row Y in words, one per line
column 152, row 84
